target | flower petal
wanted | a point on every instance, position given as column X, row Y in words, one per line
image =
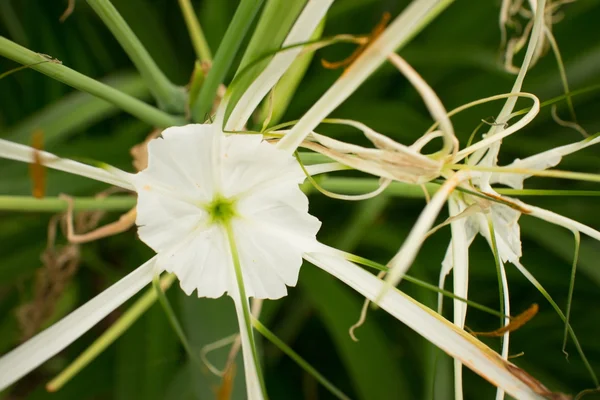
column 253, row 382
column 46, row 344
column 20, row 152
column 244, row 167
column 460, row 262
column 182, row 161
column 397, row 33
column 541, row 161
column 202, row 262
column 454, row 341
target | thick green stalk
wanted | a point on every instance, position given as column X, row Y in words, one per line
column 169, row 97
column 55, row 70
column 55, row 204
column 58, row 121
column 228, row 48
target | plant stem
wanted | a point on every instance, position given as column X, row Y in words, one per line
column 195, row 30
column 230, row 44
column 243, row 299
column 54, row 204
column 271, row 337
column 55, row 70
column 169, row 97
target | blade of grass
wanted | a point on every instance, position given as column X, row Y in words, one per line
column 274, row 24
column 61, row 73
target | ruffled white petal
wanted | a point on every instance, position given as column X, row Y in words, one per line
column 249, row 163
column 20, row 361
column 193, row 166
column 182, row 162
column 457, row 343
column 20, row 152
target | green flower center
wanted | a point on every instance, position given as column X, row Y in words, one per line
column 221, row 210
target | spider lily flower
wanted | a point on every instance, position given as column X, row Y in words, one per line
column 225, row 215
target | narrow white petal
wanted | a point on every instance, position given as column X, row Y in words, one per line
column 324, row 168
column 506, row 337
column 399, row 31
column 28, row 356
column 411, row 246
column 541, row 161
column 303, row 28
column 565, row 222
column 445, row 335
column 20, row 152
column 253, row 388
column 460, row 261
column 432, row 101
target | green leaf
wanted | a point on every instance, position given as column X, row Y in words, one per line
column 272, row 28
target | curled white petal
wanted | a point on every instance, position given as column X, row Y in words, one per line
column 460, row 260
column 20, row 361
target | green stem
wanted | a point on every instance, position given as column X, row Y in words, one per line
column 132, row 314
column 195, row 30
column 553, row 173
column 380, row 267
column 244, row 303
column 169, row 97
column 54, row 204
column 164, row 302
column 299, row 360
column 366, row 185
column 55, row 70
column 556, row 308
column 230, row 44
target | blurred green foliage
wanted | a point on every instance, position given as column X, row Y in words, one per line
column 458, row 55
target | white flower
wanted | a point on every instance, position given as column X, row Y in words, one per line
column 197, row 180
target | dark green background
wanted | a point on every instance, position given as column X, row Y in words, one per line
column 458, row 55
